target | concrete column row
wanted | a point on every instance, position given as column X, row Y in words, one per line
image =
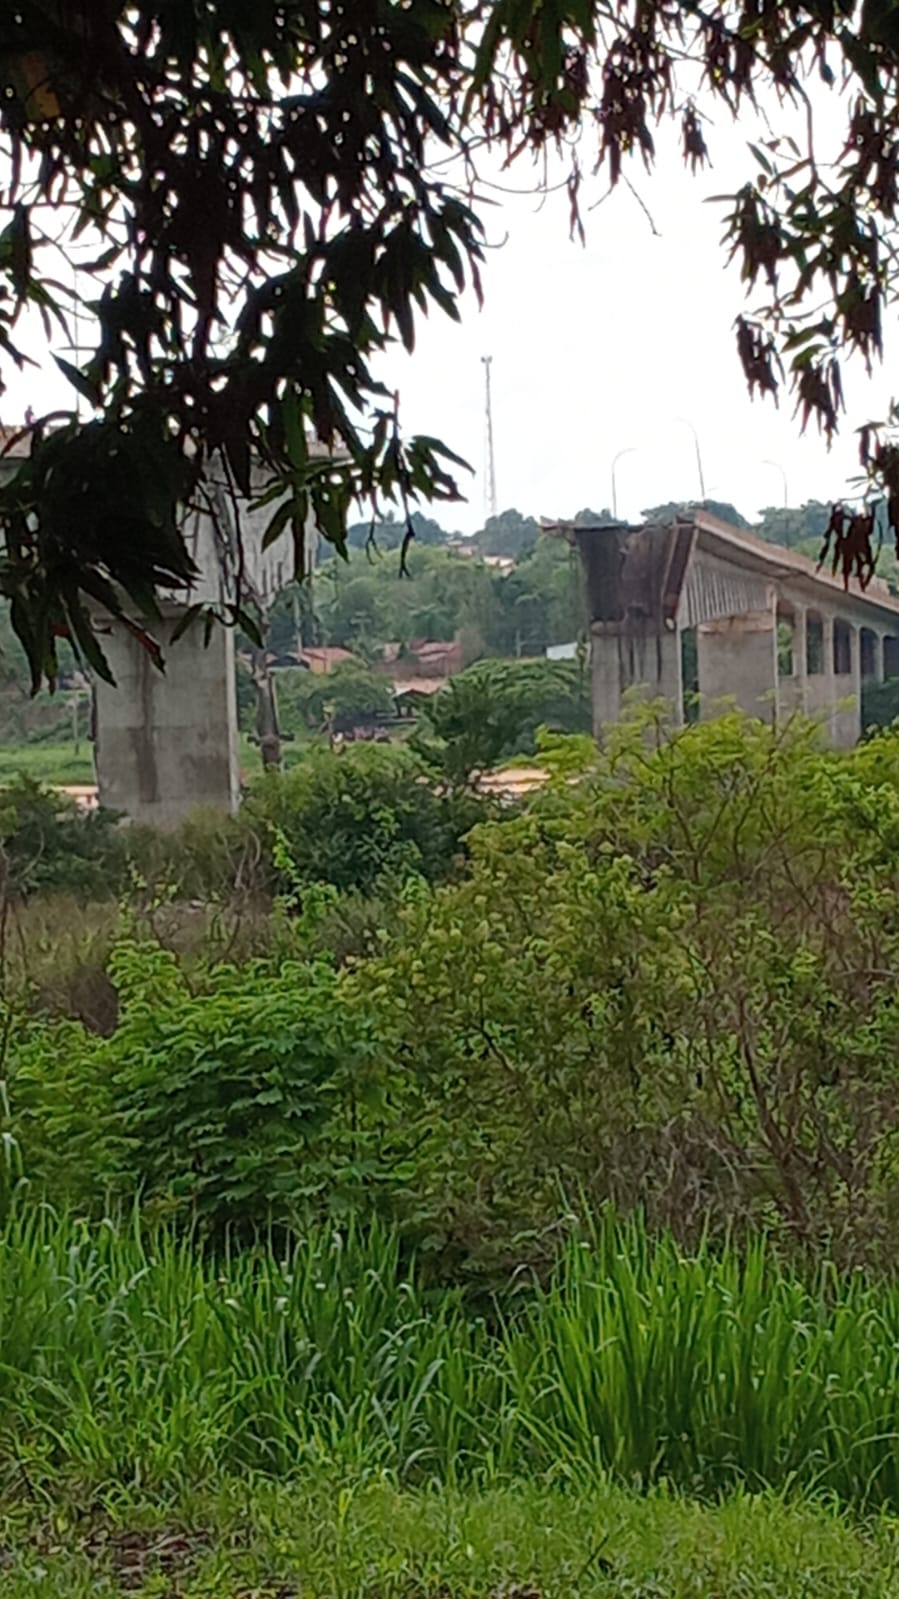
column 737, row 661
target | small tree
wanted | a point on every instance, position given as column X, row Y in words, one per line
column 494, row 708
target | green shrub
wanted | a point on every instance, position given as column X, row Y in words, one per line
column 308, row 700
column 671, row 985
column 357, row 818
column 49, row 844
column 494, row 709
column 668, row 982
column 209, row 855
column 241, row 1103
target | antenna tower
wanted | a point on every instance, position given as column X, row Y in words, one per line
column 490, row 483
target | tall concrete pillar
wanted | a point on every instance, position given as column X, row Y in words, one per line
column 846, row 719
column 821, row 688
column 878, row 658
column 167, row 741
column 791, row 686
column 737, row 658
column 625, row 659
column 606, row 673
column 800, row 656
column 827, row 646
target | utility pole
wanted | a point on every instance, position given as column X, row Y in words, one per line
column 490, row 483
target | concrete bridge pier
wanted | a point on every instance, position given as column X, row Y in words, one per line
column 846, row 721
column 875, row 667
column 737, row 660
column 792, row 665
column 167, row 741
column 625, row 658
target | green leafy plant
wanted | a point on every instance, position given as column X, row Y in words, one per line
column 350, row 692
column 353, row 820
column 240, row 1104
column 49, row 844
column 668, row 982
column 494, row 710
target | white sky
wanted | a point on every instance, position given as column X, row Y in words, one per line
column 602, row 348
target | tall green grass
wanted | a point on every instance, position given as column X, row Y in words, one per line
column 127, row 1357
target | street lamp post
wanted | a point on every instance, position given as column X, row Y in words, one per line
column 778, row 468
column 687, row 424
column 629, row 449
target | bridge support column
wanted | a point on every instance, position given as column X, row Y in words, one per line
column 821, row 691
column 800, row 657
column 737, row 658
column 167, row 742
column 846, row 718
column 624, row 658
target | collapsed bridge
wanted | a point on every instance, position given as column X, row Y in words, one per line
column 773, row 632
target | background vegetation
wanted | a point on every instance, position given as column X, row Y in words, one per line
column 381, row 1137
column 666, row 982
column 364, row 605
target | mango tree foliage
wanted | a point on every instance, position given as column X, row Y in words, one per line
column 258, row 199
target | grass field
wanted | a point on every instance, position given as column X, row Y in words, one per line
column 327, row 1538
column 132, row 1357
column 62, row 763
column 313, row 1421
column 48, row 763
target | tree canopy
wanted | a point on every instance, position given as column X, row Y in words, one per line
column 674, row 508
column 263, row 197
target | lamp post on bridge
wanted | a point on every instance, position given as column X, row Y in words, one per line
column 685, row 422
column 778, row 468
column 629, row 449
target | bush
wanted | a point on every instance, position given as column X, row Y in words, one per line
column 49, row 844
column 494, row 709
column 349, row 694
column 241, row 1104
column 358, row 818
column 668, row 982
column 671, row 986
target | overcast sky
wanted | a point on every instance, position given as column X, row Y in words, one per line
column 603, row 348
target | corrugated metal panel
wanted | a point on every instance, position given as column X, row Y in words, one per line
column 716, row 588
